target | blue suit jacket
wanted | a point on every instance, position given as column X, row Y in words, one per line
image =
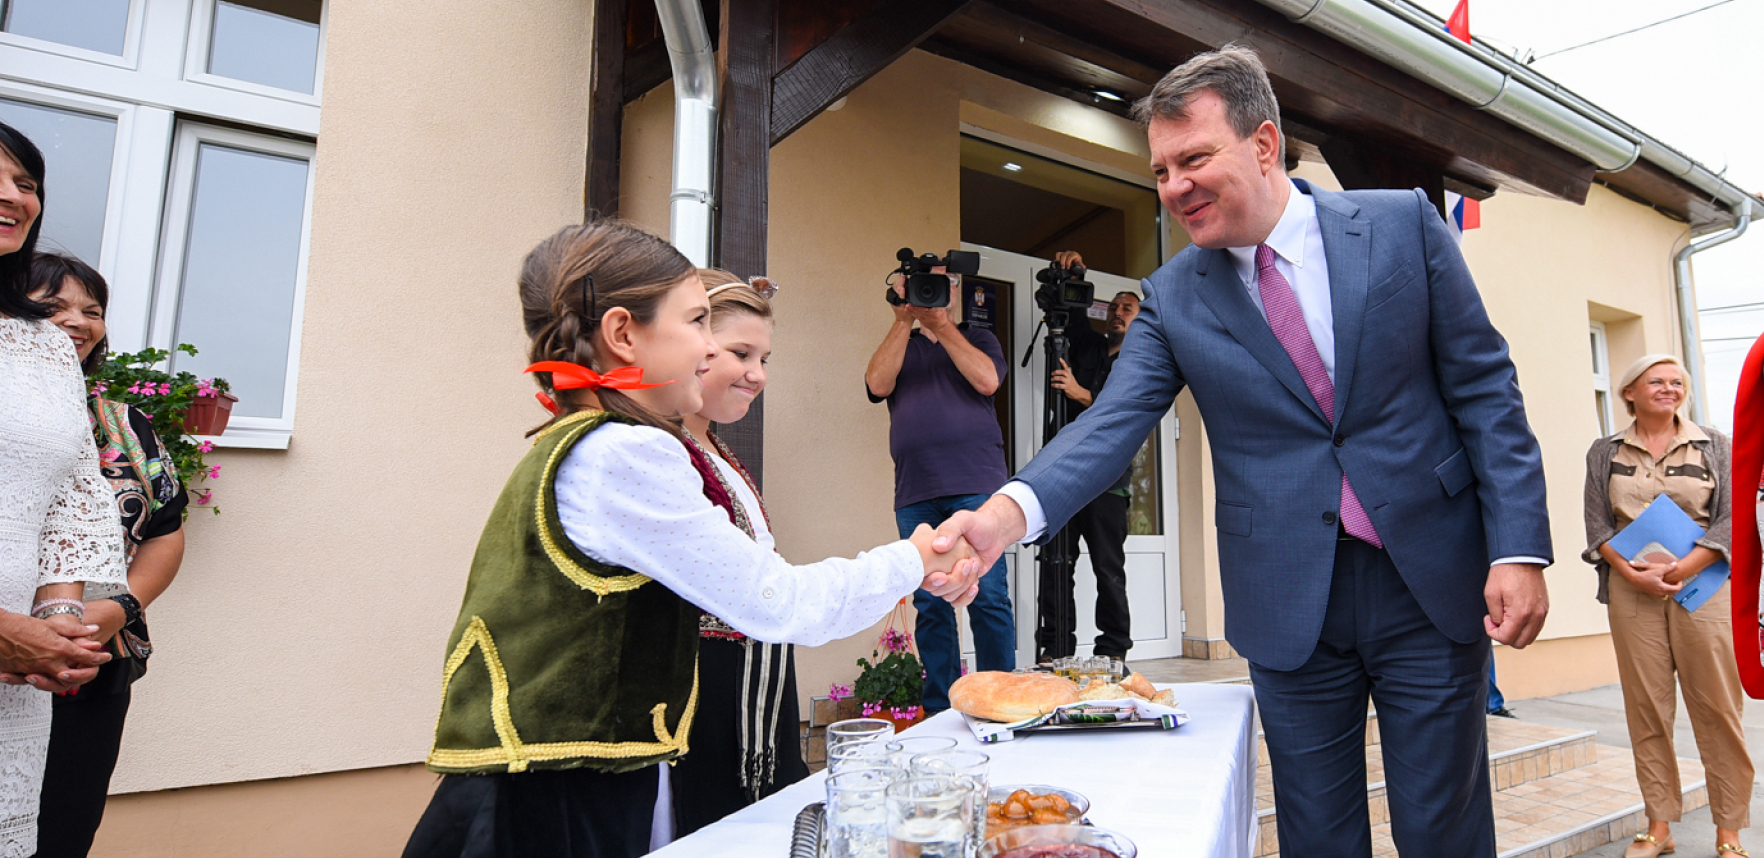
column 1431, row 428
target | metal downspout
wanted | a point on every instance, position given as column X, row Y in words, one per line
column 1687, row 309
column 692, row 203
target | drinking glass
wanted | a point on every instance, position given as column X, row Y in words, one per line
column 857, row 814
column 971, row 767
column 929, row 817
column 862, row 755
column 857, row 730
column 905, row 749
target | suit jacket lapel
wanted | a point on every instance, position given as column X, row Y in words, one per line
column 1225, row 294
column 1347, row 245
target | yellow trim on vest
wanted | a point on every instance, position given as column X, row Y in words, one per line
column 597, row 584
column 515, row 754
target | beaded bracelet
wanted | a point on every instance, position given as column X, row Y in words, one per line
column 78, row 612
column 38, row 608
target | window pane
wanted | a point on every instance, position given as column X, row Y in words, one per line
column 1598, row 353
column 77, row 149
column 241, row 256
column 96, row 25
column 1602, row 404
column 1144, row 516
column 268, row 42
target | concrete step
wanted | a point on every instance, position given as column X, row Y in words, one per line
column 1520, row 754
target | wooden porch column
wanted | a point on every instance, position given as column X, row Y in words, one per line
column 744, row 58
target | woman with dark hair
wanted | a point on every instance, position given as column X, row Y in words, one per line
column 58, row 524
column 86, row 733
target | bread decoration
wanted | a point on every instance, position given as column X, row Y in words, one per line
column 1009, row 697
column 1133, row 687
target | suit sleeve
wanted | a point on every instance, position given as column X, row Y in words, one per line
column 1087, row 457
column 1481, row 391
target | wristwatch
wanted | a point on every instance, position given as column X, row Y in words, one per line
column 131, row 607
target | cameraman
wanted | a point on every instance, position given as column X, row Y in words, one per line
column 1103, row 522
column 938, row 381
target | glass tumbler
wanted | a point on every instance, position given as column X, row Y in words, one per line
column 857, row 730
column 971, row 767
column 857, row 813
column 862, row 755
column 905, row 749
column 929, row 817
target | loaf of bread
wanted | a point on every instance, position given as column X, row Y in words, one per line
column 1007, row 697
column 1140, row 686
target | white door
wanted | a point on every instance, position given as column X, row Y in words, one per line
column 1154, row 592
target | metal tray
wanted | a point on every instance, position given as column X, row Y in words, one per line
column 806, row 837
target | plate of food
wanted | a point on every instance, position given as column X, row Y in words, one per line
column 1033, row 804
column 998, row 705
column 1058, row 841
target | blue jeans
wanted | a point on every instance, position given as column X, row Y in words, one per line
column 994, row 624
column 1496, row 700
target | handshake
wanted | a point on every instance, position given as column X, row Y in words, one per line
column 960, row 550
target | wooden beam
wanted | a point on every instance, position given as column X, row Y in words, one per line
column 853, row 55
column 1361, row 167
column 744, row 60
column 1328, row 86
column 606, row 111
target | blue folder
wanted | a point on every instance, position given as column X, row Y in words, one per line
column 1665, row 523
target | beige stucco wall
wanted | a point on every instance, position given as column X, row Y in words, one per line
column 306, row 630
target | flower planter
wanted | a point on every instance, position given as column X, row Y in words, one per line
column 208, row 414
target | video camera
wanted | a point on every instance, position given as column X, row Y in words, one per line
column 925, row 288
column 1063, row 289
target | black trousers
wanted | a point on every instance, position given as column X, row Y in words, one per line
column 1430, row 693
column 1102, row 524
column 84, row 740
column 569, row 813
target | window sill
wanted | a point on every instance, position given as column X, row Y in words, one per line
column 249, row 439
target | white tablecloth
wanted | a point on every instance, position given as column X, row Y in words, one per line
column 1189, row 791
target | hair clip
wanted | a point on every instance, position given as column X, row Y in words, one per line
column 590, row 302
column 765, row 286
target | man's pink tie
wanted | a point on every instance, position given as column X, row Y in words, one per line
column 1288, row 322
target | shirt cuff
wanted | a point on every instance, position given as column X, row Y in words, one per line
column 1034, row 519
column 1520, row 559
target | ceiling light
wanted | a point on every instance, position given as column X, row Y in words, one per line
column 1105, row 94
column 1013, row 166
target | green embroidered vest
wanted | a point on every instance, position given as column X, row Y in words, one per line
column 558, row 661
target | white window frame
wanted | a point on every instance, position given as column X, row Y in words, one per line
column 261, row 432
column 1601, row 348
column 196, row 59
column 132, row 207
column 131, row 42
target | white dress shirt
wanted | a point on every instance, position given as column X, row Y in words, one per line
column 629, row 496
column 1297, row 241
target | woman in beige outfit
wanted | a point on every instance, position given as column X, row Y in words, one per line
column 1654, row 636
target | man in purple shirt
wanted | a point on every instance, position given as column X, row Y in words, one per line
column 938, row 381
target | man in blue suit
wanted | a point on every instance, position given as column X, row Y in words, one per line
column 1380, row 496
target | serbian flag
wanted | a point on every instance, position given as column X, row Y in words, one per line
column 1466, row 212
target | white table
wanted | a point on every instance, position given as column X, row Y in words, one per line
column 1188, row 791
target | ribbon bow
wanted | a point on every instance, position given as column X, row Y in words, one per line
column 570, row 376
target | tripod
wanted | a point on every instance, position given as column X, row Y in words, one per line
column 1055, row 560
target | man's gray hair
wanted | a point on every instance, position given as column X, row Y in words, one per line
column 1235, row 74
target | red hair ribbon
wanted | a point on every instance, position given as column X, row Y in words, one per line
column 571, row 376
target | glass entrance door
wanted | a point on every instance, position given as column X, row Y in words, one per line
column 1153, row 577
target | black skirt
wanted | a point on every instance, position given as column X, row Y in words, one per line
column 570, row 813
column 707, row 782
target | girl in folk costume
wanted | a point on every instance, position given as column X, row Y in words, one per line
column 571, row 678
column 744, row 738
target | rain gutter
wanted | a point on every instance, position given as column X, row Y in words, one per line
column 692, row 203
column 1687, row 310
column 1417, row 43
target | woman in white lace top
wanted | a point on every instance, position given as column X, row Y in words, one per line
column 58, row 521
